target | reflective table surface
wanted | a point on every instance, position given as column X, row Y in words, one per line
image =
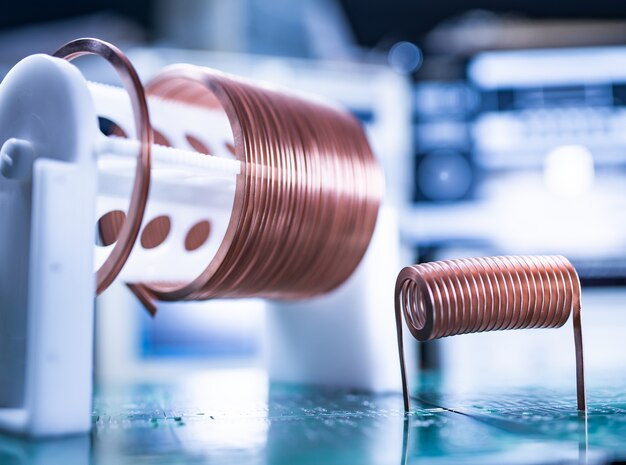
column 237, row 417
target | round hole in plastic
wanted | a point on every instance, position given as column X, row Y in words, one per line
column 160, row 139
column 197, row 144
column 155, row 232
column 109, row 127
column 108, row 227
column 197, row 235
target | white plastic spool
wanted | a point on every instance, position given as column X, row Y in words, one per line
column 186, row 186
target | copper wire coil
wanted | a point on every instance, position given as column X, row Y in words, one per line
column 306, row 201
column 125, row 231
column 487, row 294
column 452, row 297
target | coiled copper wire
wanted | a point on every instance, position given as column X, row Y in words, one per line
column 463, row 296
column 129, row 230
column 306, row 200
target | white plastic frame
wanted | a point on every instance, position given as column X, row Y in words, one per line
column 46, row 332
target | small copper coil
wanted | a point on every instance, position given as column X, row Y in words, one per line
column 452, row 297
column 306, row 201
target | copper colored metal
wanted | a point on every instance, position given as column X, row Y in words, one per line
column 453, row 297
column 134, row 217
column 305, row 202
column 145, row 297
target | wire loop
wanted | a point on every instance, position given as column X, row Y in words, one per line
column 139, row 197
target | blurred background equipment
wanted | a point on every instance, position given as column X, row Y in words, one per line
column 542, row 145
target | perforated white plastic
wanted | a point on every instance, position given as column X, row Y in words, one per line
column 187, row 187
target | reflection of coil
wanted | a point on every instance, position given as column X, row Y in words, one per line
column 453, row 297
column 305, row 203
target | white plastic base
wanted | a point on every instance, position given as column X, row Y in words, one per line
column 47, row 200
column 347, row 338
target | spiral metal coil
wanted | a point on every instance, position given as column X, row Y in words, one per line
column 306, row 200
column 464, row 296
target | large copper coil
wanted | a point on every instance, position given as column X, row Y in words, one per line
column 306, row 200
column 463, row 296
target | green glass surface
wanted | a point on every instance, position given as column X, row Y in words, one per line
column 175, row 423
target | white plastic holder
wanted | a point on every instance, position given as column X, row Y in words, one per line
column 47, row 208
column 348, row 337
column 48, row 193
